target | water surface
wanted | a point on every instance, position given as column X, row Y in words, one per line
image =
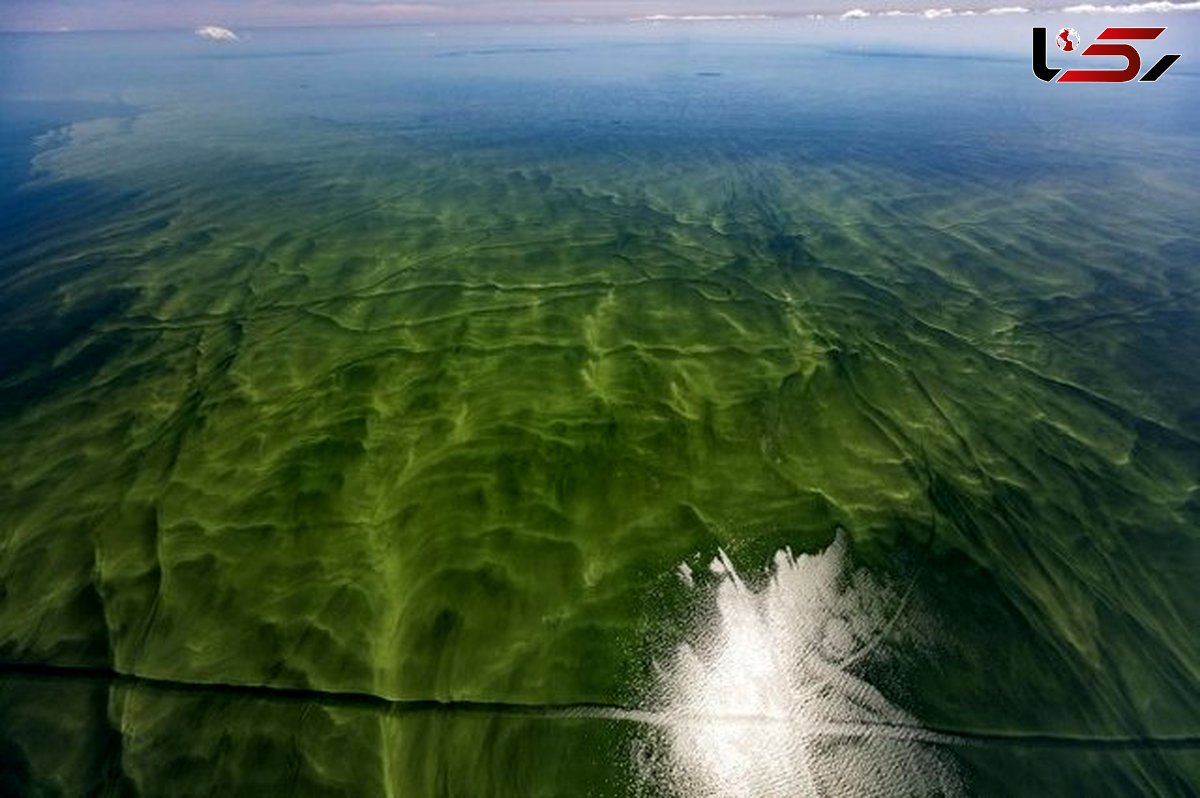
column 374, row 402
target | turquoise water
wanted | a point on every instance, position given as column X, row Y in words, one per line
column 374, row 404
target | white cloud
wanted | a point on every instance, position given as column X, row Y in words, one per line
column 700, row 17
column 1148, row 7
column 216, row 33
column 943, row 13
column 1155, row 7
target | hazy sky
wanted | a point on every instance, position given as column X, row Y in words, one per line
column 91, row 14
column 48, row 15
column 52, row 14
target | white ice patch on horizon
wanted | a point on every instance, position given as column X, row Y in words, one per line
column 769, row 702
column 216, row 33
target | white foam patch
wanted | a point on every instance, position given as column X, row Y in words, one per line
column 769, row 700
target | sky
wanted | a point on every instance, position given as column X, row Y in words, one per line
column 52, row 15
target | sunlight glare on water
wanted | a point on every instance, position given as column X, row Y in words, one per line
column 767, row 702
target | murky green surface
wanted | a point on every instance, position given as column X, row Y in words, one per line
column 376, row 366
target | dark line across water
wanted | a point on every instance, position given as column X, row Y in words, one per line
column 577, row 710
